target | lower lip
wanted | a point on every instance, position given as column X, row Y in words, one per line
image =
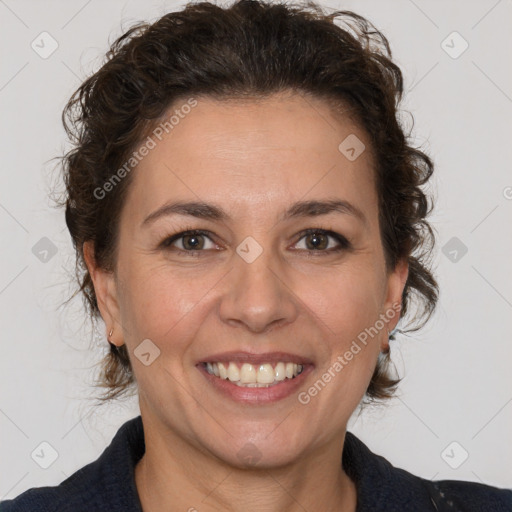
column 246, row 395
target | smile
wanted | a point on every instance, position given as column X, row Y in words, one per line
column 254, row 376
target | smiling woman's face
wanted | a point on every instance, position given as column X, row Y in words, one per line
column 256, row 286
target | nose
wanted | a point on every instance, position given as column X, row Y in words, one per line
column 258, row 295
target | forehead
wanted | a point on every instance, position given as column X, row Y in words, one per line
column 258, row 151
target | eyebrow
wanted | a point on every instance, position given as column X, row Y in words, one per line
column 201, row 210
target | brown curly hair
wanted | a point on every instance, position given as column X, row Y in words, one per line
column 249, row 49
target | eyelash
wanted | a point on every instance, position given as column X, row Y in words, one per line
column 344, row 244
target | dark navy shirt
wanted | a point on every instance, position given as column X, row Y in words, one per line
column 108, row 484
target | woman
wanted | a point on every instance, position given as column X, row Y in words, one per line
column 248, row 219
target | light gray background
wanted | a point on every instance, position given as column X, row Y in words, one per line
column 458, row 383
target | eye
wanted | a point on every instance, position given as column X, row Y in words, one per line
column 316, row 240
column 189, row 241
column 320, row 240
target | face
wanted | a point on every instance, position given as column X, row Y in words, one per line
column 253, row 288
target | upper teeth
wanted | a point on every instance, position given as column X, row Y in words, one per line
column 249, row 374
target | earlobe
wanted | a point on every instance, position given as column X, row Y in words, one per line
column 396, row 283
column 106, row 293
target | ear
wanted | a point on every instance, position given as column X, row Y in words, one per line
column 395, row 287
column 105, row 288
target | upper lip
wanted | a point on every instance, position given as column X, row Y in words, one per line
column 254, row 358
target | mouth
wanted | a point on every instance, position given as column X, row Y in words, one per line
column 254, row 375
column 255, row 378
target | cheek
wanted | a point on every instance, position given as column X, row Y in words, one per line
column 345, row 301
column 346, row 306
column 158, row 304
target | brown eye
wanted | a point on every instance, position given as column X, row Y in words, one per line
column 322, row 241
column 317, row 241
column 193, row 242
column 189, row 241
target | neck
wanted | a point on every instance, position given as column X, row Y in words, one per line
column 172, row 475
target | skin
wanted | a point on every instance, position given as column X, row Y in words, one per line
column 254, row 159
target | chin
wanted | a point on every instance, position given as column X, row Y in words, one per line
column 253, row 451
